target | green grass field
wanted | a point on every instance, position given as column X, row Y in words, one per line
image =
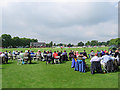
column 40, row 75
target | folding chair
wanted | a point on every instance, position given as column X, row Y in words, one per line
column 109, row 66
column 57, row 59
column 19, row 59
column 96, row 66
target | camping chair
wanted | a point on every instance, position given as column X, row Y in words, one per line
column 3, row 59
column 64, row 57
column 26, row 59
column 115, row 65
column 96, row 66
column 38, row 57
column 49, row 59
column 57, row 59
column 19, row 59
column 109, row 66
column 10, row 56
column 14, row 56
column 118, row 59
column 45, row 57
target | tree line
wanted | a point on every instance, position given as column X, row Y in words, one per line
column 7, row 41
column 12, row 42
column 115, row 42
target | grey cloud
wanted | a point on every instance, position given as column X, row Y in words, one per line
column 60, row 22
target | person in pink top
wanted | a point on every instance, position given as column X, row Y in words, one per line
column 77, row 54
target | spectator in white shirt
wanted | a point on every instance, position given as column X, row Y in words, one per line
column 104, row 60
column 95, row 58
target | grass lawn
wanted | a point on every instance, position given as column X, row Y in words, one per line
column 40, row 75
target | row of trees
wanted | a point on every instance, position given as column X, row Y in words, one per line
column 8, row 41
column 89, row 43
column 60, row 44
column 107, row 43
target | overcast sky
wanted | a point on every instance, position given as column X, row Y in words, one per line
column 68, row 22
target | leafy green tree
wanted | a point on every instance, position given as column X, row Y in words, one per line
column 54, row 44
column 88, row 43
column 69, row 45
column 94, row 43
column 114, row 41
column 80, row 44
column 51, row 44
column 6, row 40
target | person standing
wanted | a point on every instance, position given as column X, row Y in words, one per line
column 85, row 54
column 6, row 57
column 29, row 56
column 71, row 54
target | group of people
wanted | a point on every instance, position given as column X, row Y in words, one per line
column 28, row 56
column 108, row 59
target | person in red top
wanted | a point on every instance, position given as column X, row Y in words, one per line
column 55, row 54
column 105, row 51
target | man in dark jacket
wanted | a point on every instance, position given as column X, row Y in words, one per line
column 71, row 54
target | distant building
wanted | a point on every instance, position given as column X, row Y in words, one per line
column 37, row 44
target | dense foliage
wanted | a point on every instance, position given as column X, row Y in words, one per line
column 8, row 41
